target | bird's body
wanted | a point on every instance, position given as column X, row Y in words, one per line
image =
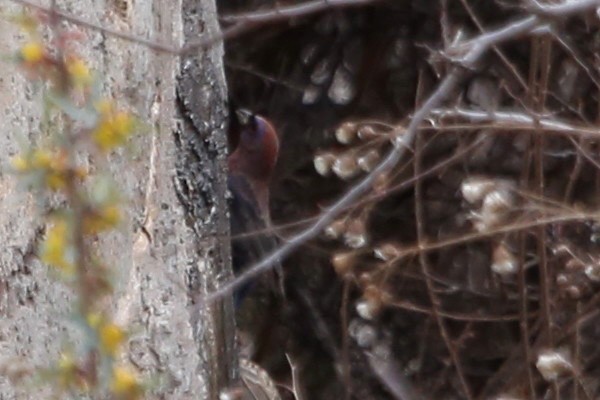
column 251, row 166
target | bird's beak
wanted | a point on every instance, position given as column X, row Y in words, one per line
column 244, row 116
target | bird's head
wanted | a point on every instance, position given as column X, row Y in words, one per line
column 256, row 147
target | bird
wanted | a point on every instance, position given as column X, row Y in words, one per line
column 255, row 150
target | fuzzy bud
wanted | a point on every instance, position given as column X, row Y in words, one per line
column 345, row 167
column 381, row 183
column 368, row 309
column 574, row 292
column 367, row 162
column 343, row 262
column 553, row 364
column 504, row 263
column 387, row 251
column 346, row 133
column 370, row 306
column 498, row 201
column 355, row 236
column 364, row 334
column 323, row 163
column 592, row 271
column 366, row 132
column 495, row 209
column 475, row 188
column 335, row 229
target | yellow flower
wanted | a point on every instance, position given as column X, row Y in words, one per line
column 19, row 163
column 125, row 384
column 69, row 373
column 66, row 369
column 114, row 126
column 56, row 245
column 94, row 319
column 33, row 52
column 79, row 71
column 54, row 166
column 104, row 218
column 111, row 338
column 26, row 22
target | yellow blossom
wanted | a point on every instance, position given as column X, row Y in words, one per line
column 125, row 384
column 79, row 71
column 26, row 22
column 114, row 126
column 66, row 369
column 54, row 166
column 19, row 163
column 56, row 246
column 104, row 106
column 33, row 52
column 101, row 219
column 69, row 374
column 111, row 338
column 94, row 319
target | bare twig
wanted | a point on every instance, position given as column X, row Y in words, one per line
column 284, row 13
column 426, row 271
column 558, row 10
column 518, row 120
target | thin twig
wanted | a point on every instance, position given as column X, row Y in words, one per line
column 426, row 270
column 279, row 13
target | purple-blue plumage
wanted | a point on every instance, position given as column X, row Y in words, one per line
column 250, row 169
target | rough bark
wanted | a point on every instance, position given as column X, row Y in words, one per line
column 169, row 251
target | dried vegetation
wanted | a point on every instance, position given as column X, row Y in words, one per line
column 471, row 269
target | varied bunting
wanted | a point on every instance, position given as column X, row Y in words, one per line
column 255, row 150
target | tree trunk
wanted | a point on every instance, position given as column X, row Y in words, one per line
column 172, row 247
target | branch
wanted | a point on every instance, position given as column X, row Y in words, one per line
column 56, row 13
column 560, row 10
column 518, row 120
column 284, row 13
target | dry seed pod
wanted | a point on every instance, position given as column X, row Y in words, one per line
column 504, row 263
column 323, row 163
column 365, row 279
column 335, row 229
column 486, row 221
column 366, row 132
column 553, row 364
column 592, row 271
column 574, row 265
column 355, row 236
column 343, row 262
column 498, row 200
column 364, row 334
column 562, row 280
column 495, row 209
column 371, row 304
column 345, row 166
column 560, row 250
column 368, row 309
column 474, row 189
column 346, row 133
column 381, row 183
column 387, row 251
column 574, row 292
column 367, row 162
